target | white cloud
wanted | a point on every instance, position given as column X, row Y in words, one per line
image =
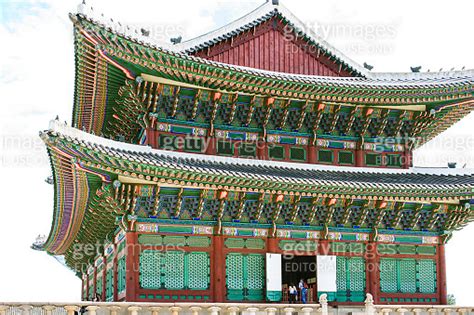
column 37, row 80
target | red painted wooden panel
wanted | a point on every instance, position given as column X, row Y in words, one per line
column 267, row 48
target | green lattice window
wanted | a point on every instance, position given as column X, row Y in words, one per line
column 225, row 147
column 109, row 285
column 150, row 269
column 350, row 277
column 325, row 156
column 297, row 154
column 394, row 160
column 276, row 152
column 388, row 275
column 427, row 276
column 168, row 142
column 345, row 157
column 91, row 292
column 174, row 270
column 84, row 291
column 91, row 286
column 247, row 150
column 99, row 285
column 407, row 275
column 245, row 276
column 197, row 271
column 373, row 159
column 121, row 274
column 193, row 144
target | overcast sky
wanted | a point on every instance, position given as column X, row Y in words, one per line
column 37, row 79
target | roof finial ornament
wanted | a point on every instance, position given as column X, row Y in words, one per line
column 145, row 32
column 49, row 180
column 275, row 2
column 367, row 66
column 415, row 69
column 176, row 40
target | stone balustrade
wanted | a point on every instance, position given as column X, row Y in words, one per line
column 371, row 309
column 124, row 308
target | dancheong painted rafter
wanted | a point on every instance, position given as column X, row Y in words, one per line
column 190, row 169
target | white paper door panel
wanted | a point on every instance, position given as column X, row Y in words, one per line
column 326, row 273
column 273, row 268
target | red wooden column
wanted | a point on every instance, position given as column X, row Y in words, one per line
column 408, row 158
column 86, row 298
column 443, row 290
column 83, row 283
column 218, row 268
column 94, row 284
column 272, row 245
column 323, row 247
column 151, row 138
column 372, row 271
column 104, row 279
column 262, row 150
column 312, row 156
column 115, row 274
column 359, row 154
column 211, row 145
column 132, row 266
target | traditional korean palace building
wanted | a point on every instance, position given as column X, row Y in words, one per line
column 227, row 167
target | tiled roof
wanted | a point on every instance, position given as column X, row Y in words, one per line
column 274, row 171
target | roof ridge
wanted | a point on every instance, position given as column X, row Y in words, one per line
column 260, row 7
